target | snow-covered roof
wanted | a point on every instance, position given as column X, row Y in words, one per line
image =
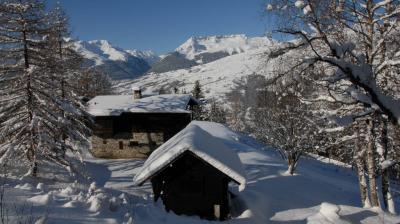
column 114, row 105
column 209, row 148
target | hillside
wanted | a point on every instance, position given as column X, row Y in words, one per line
column 171, row 62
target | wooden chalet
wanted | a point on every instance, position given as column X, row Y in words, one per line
column 132, row 126
column 191, row 172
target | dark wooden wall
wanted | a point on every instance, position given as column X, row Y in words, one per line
column 170, row 123
column 192, row 187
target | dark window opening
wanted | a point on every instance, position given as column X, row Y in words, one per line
column 104, row 141
column 133, row 143
column 121, row 145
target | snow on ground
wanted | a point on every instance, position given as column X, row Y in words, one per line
column 318, row 193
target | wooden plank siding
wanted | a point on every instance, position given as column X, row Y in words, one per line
column 191, row 186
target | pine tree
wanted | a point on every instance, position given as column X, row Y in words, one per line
column 38, row 113
column 67, row 68
column 197, row 92
column 198, row 111
column 23, row 40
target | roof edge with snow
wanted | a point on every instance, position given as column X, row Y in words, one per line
column 115, row 105
column 202, row 144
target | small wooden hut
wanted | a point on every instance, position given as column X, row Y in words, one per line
column 191, row 173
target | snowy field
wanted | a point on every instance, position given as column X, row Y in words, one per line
column 318, row 193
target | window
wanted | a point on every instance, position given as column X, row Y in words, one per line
column 104, row 141
column 133, row 143
column 121, row 145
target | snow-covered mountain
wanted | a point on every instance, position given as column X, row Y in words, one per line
column 195, row 47
column 149, row 56
column 121, row 64
column 116, row 62
column 203, row 50
column 218, row 77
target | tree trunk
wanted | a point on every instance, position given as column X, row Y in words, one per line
column 387, row 196
column 363, row 184
column 292, row 159
column 291, row 167
column 31, row 152
column 385, row 180
column 371, row 165
column 34, row 169
column 362, row 181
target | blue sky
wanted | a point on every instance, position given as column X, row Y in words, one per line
column 161, row 25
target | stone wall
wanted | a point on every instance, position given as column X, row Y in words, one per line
column 117, row 148
column 146, row 133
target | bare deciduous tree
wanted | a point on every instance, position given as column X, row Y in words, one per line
column 357, row 43
column 93, row 82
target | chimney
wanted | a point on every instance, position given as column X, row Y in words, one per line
column 137, row 92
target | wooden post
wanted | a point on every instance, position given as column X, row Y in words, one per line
column 217, row 211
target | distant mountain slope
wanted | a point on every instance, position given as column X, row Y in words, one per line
column 121, row 64
column 203, row 50
column 171, row 62
column 194, row 47
column 117, row 63
column 216, row 78
column 149, row 56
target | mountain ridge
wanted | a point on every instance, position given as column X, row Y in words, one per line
column 217, row 78
column 122, row 64
column 202, row 50
column 116, row 62
column 230, row 44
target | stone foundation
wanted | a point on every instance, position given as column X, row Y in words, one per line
column 126, row 146
column 134, row 135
